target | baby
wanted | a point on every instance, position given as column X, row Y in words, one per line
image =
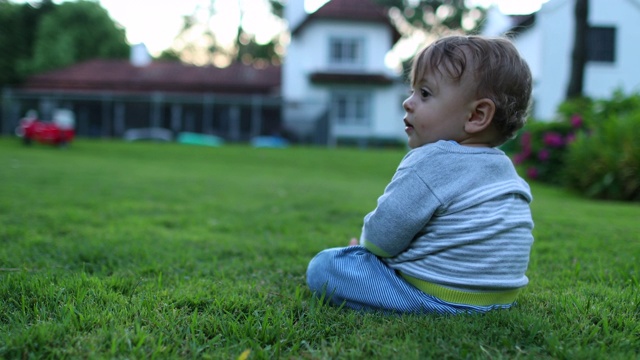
column 452, row 231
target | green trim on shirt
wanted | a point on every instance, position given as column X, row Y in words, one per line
column 375, row 250
column 463, row 297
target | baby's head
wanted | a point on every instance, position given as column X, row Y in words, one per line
column 494, row 67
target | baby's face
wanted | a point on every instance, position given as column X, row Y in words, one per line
column 438, row 109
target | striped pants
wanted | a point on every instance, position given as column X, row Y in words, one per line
column 355, row 277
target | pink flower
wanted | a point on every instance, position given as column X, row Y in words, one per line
column 543, row 155
column 519, row 158
column 532, row 173
column 526, row 139
column 553, row 139
column 576, row 121
column 570, row 138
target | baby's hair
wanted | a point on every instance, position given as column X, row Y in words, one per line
column 495, row 65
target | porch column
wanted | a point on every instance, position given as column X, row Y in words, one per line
column 119, row 119
column 256, row 115
column 207, row 114
column 234, row 122
column 176, row 118
column 105, row 124
column 156, row 110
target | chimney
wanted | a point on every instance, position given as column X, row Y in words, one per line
column 139, row 55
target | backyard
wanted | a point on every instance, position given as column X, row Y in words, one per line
column 111, row 249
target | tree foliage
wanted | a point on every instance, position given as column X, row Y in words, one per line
column 73, row 32
column 198, row 43
column 40, row 35
column 422, row 21
column 411, row 17
column 17, row 36
column 436, row 17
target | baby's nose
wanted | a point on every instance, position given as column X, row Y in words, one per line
column 407, row 104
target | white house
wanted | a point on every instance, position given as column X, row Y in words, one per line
column 613, row 54
column 335, row 83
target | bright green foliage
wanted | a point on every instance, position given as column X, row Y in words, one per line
column 605, row 162
column 145, row 250
column 73, row 32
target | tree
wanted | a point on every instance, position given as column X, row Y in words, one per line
column 579, row 53
column 423, row 21
column 436, row 17
column 197, row 42
column 17, row 36
column 73, row 32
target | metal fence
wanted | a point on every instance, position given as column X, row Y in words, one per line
column 110, row 115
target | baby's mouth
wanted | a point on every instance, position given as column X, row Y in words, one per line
column 407, row 125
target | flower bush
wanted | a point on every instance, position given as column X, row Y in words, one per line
column 605, row 162
column 542, row 147
column 593, row 147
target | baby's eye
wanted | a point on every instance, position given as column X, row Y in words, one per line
column 424, row 93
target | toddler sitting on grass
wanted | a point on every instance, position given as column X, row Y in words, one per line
column 452, row 231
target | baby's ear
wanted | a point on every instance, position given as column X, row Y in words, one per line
column 481, row 115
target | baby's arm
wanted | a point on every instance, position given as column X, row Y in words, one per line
column 402, row 212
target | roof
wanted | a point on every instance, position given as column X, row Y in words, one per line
column 166, row 76
column 349, row 78
column 353, row 11
column 521, row 23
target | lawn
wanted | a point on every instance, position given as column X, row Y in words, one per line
column 145, row 250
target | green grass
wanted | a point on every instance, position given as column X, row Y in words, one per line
column 145, row 250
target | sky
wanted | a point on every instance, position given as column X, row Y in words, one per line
column 156, row 23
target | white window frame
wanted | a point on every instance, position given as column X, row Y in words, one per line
column 351, row 109
column 346, row 52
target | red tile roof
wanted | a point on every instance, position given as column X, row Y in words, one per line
column 351, row 10
column 166, row 76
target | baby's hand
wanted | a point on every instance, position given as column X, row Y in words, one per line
column 354, row 242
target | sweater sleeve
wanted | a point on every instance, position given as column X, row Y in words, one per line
column 402, row 212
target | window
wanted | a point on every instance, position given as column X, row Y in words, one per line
column 351, row 109
column 601, row 44
column 345, row 51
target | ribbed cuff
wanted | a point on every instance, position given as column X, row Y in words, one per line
column 463, row 297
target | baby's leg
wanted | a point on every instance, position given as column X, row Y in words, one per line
column 359, row 279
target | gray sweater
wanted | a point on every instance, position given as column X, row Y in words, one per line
column 454, row 216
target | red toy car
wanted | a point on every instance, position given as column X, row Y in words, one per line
column 58, row 132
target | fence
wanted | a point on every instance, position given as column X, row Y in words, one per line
column 110, row 115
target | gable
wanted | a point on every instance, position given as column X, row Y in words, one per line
column 352, row 11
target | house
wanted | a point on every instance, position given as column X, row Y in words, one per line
column 109, row 97
column 612, row 51
column 335, row 84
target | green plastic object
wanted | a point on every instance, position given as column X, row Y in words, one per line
column 199, row 139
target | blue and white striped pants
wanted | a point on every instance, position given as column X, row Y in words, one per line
column 355, row 277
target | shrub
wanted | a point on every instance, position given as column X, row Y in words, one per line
column 542, row 148
column 592, row 147
column 605, row 162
